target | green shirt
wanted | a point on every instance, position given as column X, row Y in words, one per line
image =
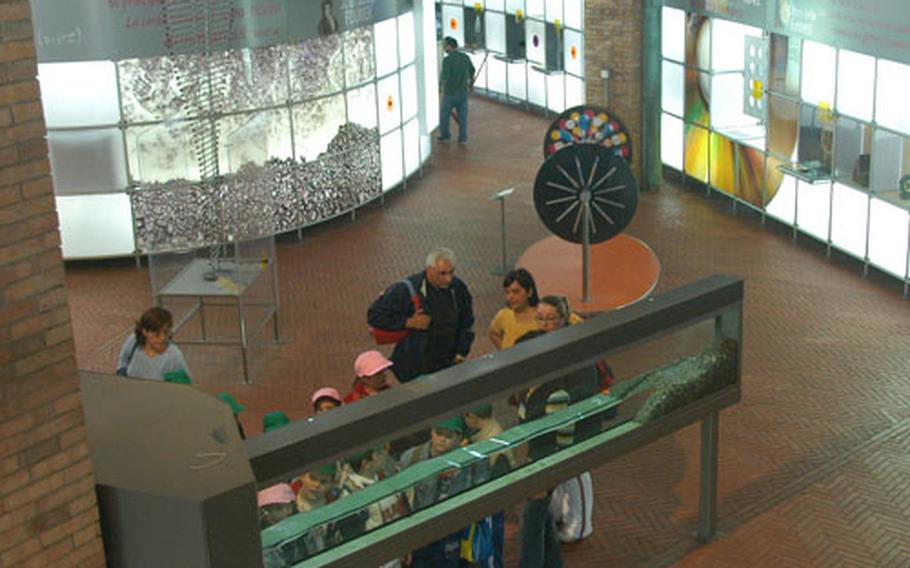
column 457, row 73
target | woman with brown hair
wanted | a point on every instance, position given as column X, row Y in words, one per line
column 149, row 353
column 517, row 318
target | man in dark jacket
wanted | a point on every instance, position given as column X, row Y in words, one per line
column 439, row 319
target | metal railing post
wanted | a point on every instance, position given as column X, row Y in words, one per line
column 707, row 499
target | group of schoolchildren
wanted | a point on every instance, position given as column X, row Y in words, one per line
column 549, row 519
column 479, row 544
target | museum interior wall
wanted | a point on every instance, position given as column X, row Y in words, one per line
column 796, row 109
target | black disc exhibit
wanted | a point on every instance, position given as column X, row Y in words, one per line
column 585, row 180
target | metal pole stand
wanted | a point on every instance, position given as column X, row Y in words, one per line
column 500, row 196
column 586, row 246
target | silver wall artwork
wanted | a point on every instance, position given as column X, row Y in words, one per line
column 260, row 199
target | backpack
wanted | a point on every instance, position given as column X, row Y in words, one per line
column 476, row 542
column 390, row 336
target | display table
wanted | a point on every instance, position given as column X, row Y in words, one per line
column 624, row 270
column 245, row 283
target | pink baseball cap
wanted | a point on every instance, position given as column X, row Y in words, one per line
column 370, row 363
column 326, row 392
column 275, row 495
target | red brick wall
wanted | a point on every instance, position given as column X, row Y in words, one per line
column 48, row 514
column 613, row 41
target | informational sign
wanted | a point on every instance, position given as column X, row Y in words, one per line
column 84, row 30
column 880, row 28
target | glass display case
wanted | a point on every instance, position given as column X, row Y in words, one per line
column 222, row 295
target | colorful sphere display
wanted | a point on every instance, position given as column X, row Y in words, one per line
column 587, row 124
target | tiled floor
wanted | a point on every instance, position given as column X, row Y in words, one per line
column 814, row 461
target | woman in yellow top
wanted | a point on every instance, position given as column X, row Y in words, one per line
column 517, row 318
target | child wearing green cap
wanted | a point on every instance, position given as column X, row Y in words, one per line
column 445, row 436
column 274, row 420
column 236, row 409
column 315, row 488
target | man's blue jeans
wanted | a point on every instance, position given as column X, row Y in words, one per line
column 458, row 101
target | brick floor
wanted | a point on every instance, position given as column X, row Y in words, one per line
column 813, row 462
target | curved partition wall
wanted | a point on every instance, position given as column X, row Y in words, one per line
column 526, row 51
column 813, row 134
column 310, row 127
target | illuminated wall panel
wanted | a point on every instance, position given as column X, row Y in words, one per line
column 891, row 108
column 81, row 233
column 812, row 209
column 673, row 38
column 849, row 214
column 818, row 73
column 888, row 235
column 855, row 84
column 391, row 152
column 79, row 94
column 671, row 141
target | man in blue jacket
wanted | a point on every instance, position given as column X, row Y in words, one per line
column 436, row 309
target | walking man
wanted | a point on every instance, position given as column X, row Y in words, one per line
column 436, row 310
column 455, row 81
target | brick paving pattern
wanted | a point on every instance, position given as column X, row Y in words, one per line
column 813, row 461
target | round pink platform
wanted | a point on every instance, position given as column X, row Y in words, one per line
column 624, row 270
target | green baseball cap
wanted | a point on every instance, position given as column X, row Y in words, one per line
column 274, row 420
column 179, row 376
column 229, row 400
column 483, row 411
column 328, row 470
column 455, row 424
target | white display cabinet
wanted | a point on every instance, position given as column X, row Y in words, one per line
column 223, row 295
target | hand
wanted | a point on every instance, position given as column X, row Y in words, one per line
column 458, row 359
column 419, row 320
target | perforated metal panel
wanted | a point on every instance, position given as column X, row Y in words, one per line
column 755, row 74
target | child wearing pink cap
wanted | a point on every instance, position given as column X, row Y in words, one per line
column 276, row 503
column 325, row 399
column 370, row 368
